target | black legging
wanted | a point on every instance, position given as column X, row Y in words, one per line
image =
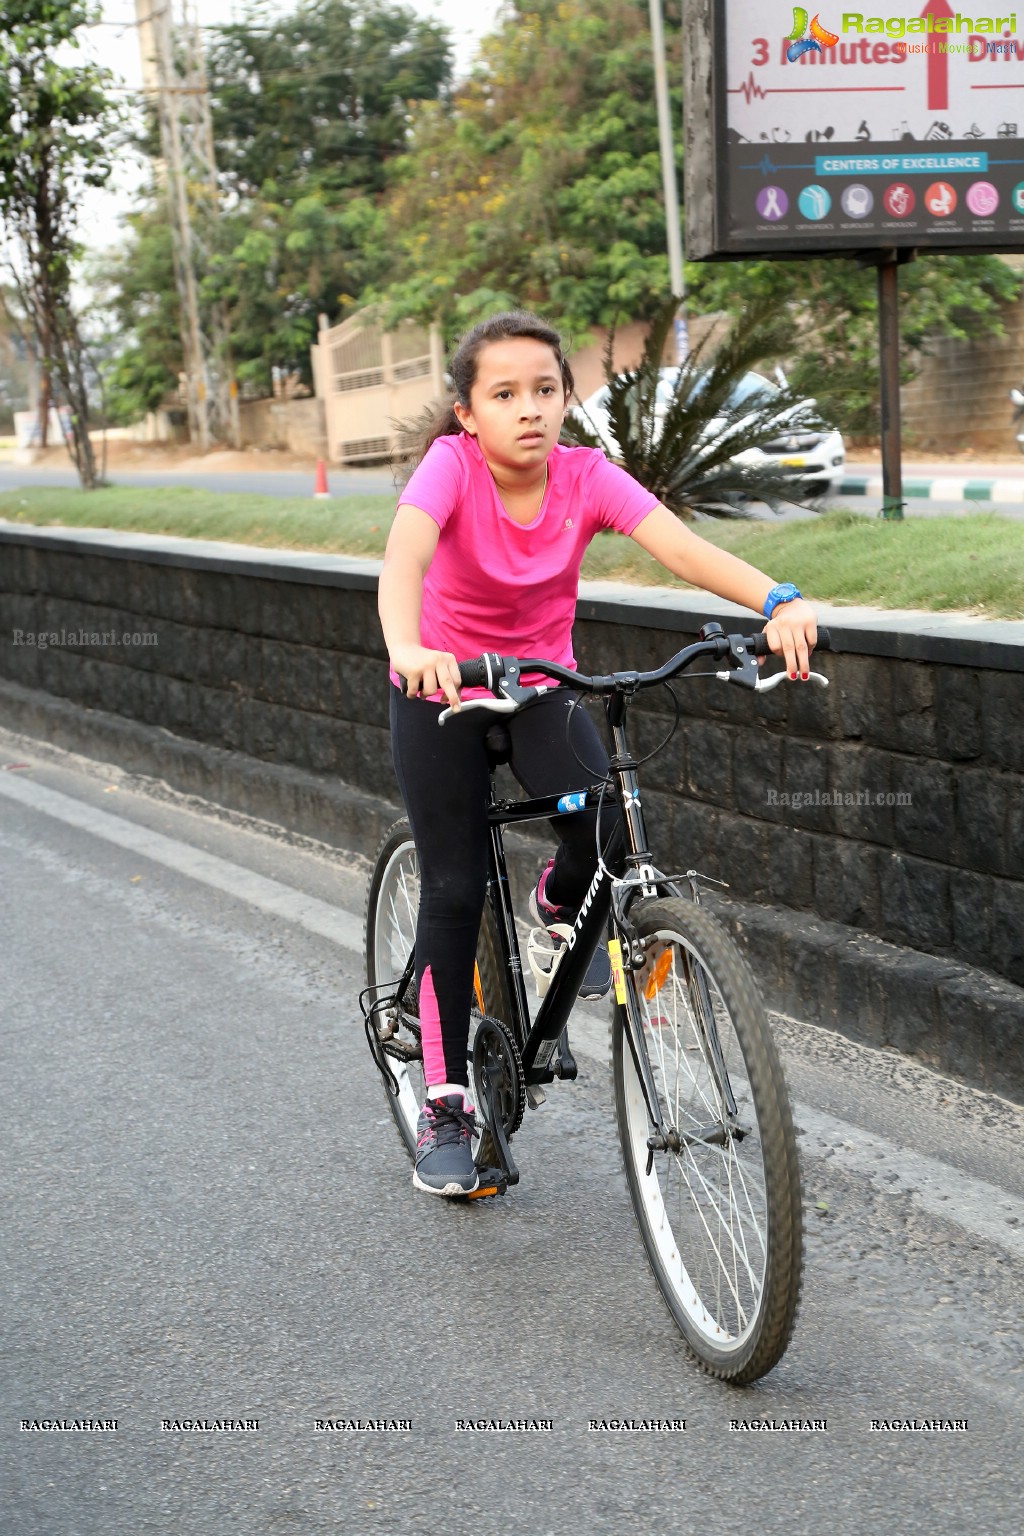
column 443, row 776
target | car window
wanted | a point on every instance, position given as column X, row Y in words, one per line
column 750, row 386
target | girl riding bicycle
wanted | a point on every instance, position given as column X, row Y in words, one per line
column 484, row 555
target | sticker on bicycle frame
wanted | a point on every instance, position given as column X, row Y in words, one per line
column 615, row 956
column 574, row 802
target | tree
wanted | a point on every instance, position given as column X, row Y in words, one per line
column 833, row 305
column 321, row 94
column 307, row 109
column 539, row 182
column 136, row 301
column 58, row 129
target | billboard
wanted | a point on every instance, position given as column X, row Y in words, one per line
column 841, row 130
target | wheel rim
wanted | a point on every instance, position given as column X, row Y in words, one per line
column 394, row 936
column 398, row 905
column 706, row 1202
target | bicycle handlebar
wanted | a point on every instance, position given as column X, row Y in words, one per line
column 502, row 673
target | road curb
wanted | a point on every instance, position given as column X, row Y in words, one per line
column 940, row 488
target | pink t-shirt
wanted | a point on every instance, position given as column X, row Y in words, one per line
column 498, row 585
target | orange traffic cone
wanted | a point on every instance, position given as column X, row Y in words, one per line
column 320, row 490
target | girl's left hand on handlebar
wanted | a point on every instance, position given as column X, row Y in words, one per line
column 791, row 632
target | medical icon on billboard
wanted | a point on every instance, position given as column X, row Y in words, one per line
column 1007, row 130
column 857, row 201
column 772, row 203
column 899, row 200
column 982, row 199
column 1017, row 197
column 863, row 132
column 814, row 202
column 940, row 199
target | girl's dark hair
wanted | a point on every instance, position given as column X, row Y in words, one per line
column 463, row 366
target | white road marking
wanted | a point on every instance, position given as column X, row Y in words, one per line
column 271, row 896
column 984, row 1209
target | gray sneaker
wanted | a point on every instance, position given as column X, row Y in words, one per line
column 444, row 1147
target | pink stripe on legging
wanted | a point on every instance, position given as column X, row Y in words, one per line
column 434, row 1069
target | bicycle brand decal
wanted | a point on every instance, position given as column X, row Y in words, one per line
column 574, row 802
column 588, row 902
column 615, row 956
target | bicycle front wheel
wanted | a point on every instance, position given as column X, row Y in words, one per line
column 719, row 1205
column 392, row 909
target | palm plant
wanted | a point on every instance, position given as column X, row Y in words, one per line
column 681, row 440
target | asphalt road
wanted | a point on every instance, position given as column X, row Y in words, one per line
column 274, row 482
column 354, row 482
column 208, row 1215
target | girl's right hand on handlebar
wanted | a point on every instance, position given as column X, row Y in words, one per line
column 427, row 672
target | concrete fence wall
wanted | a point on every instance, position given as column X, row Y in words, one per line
column 960, row 397
column 297, row 425
column 872, row 835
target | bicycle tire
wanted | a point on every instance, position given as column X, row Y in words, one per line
column 392, row 905
column 722, row 1225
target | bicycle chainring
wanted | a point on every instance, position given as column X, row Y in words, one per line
column 498, row 1073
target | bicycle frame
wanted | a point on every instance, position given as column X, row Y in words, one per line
column 627, row 855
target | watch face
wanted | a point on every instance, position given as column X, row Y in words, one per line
column 783, row 593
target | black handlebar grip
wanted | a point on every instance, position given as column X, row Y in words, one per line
column 823, row 642
column 474, row 673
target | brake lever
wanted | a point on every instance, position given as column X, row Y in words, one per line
column 499, row 706
column 766, row 684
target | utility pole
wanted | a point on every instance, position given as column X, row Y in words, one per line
column 174, row 74
column 669, row 182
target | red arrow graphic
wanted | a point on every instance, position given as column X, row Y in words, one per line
column 938, row 63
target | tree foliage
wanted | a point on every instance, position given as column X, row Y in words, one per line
column 539, row 181
column 833, row 310
column 320, row 95
column 307, row 109
column 58, row 131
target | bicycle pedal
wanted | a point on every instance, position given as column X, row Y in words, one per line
column 492, row 1182
column 403, row 1050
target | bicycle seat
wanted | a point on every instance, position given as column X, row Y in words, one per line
column 497, row 744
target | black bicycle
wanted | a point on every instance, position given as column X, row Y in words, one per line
column 701, row 1103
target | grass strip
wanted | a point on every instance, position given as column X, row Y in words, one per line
column 972, row 562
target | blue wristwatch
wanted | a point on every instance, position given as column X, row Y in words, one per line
column 783, row 593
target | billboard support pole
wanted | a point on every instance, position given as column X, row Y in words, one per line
column 888, row 263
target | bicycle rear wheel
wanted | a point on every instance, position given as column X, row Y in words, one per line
column 392, row 907
column 719, row 1208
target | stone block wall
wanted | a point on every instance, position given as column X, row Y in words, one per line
column 871, row 835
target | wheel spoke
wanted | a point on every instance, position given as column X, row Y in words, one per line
column 704, row 1208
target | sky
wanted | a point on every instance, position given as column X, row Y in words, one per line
column 115, row 43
